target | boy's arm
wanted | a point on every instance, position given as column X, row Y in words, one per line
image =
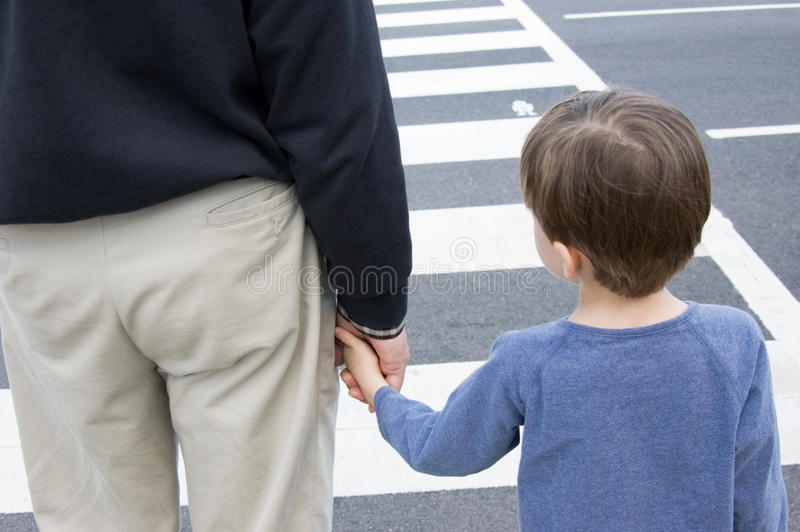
column 478, row 425
column 759, row 492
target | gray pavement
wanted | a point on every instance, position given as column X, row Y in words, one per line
column 724, row 70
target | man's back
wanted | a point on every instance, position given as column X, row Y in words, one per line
column 110, row 106
column 107, row 107
column 130, row 124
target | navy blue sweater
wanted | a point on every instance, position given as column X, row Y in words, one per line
column 109, row 106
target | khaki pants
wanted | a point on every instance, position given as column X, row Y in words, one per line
column 201, row 319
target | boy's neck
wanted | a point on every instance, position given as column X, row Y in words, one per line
column 601, row 308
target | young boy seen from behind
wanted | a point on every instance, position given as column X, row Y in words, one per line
column 641, row 411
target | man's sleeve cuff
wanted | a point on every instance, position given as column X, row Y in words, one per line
column 384, row 323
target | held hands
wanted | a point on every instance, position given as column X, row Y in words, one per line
column 393, row 355
column 363, row 375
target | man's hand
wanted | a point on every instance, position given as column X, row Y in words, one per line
column 393, row 354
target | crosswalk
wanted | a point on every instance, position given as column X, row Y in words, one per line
column 499, row 237
column 462, row 240
column 464, row 237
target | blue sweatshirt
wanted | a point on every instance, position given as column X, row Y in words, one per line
column 666, row 427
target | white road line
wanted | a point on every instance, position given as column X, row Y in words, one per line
column 395, row 2
column 582, row 76
column 764, row 293
column 785, row 371
column 366, row 465
column 14, row 488
column 494, row 237
column 788, row 414
column 443, row 16
column 678, row 11
column 753, row 131
column 468, row 239
column 460, row 42
column 477, row 79
column 464, row 141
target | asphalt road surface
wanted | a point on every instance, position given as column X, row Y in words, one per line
column 469, row 78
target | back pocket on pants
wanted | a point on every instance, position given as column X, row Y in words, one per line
column 254, row 203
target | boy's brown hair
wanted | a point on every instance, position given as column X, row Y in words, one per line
column 622, row 177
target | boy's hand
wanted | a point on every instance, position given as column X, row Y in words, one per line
column 393, row 354
column 363, row 363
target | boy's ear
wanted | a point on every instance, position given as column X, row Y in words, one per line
column 570, row 259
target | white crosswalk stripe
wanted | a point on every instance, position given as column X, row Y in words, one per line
column 365, row 464
column 396, row 2
column 759, row 131
column 493, row 237
column 460, row 42
column 477, row 79
column 445, row 16
column 479, row 140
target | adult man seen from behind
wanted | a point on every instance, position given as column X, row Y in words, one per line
column 175, row 180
